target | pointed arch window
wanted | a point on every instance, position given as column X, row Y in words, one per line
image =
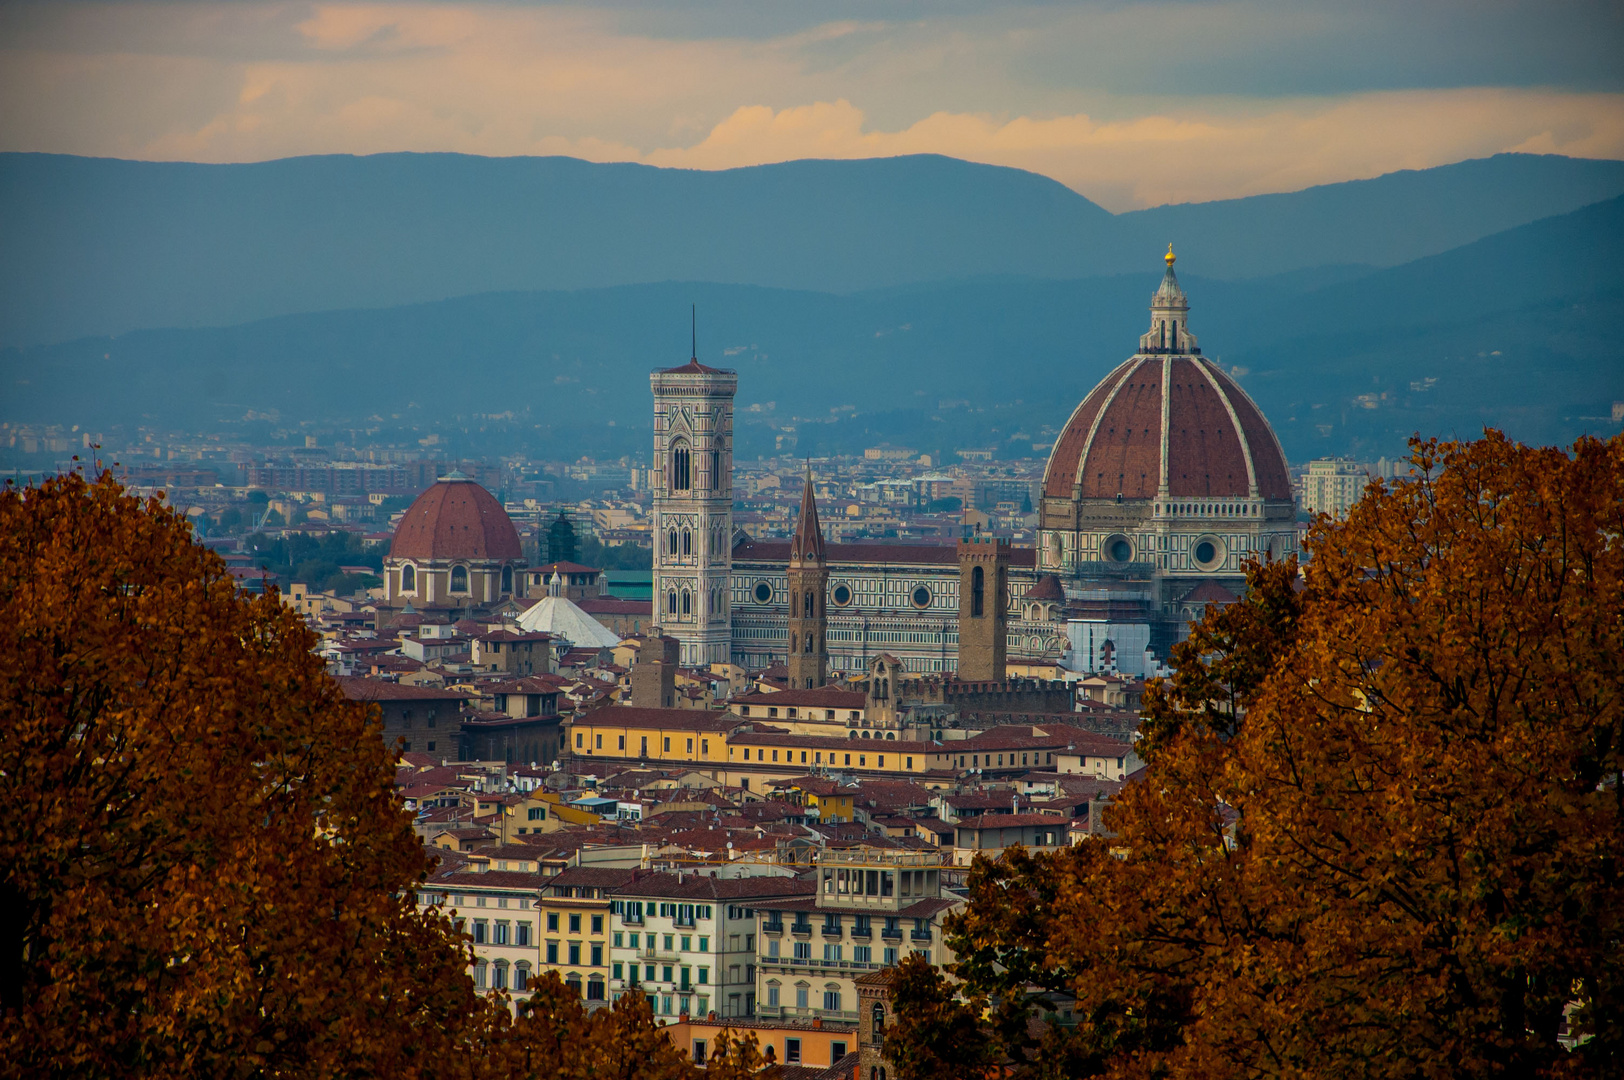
column 671, row 602
column 977, row 589
column 671, row 542
column 507, row 579
column 687, row 602
column 811, row 604
column 459, row 579
column 408, row 579
column 687, row 543
column 681, row 479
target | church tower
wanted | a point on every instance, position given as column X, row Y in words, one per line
column 693, row 508
column 983, row 607
column 808, row 591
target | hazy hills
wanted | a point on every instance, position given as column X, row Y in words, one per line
column 1515, row 329
column 100, row 246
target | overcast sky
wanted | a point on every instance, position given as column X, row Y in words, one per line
column 1131, row 103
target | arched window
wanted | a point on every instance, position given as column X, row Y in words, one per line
column 671, row 602
column 687, row 542
column 977, row 587
column 811, row 642
column 811, row 604
column 687, row 602
column 499, row 974
column 879, row 1018
column 507, row 579
column 715, row 470
column 408, row 579
column 459, row 579
column 792, row 637
column 671, row 542
column 680, row 466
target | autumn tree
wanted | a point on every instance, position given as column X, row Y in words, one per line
column 1379, row 833
column 206, row 870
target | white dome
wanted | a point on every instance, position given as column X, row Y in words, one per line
column 560, row 617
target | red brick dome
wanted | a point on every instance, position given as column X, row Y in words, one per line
column 456, row 519
column 1216, row 441
column 1206, row 439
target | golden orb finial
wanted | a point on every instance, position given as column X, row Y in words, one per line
column 1170, row 257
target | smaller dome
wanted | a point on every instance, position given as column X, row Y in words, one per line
column 456, row 519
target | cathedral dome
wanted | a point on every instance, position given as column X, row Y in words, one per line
column 1168, row 422
column 456, row 519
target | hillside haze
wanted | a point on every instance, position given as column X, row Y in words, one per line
column 1513, row 330
column 102, row 246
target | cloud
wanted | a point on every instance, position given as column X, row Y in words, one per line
column 1130, row 103
column 1194, row 153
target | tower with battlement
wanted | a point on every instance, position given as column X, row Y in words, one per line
column 983, row 607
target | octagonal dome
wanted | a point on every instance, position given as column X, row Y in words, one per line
column 456, row 519
column 1167, row 421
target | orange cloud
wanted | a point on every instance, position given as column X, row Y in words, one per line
column 182, row 82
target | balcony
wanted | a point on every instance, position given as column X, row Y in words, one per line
column 861, row 933
column 801, row 929
column 891, row 933
column 773, row 928
column 920, row 935
column 831, row 931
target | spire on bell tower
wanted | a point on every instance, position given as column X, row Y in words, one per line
column 808, row 654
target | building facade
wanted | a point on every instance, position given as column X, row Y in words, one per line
column 693, row 508
column 872, row 908
column 1166, row 477
column 1332, row 485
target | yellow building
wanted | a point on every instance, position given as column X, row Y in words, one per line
column 638, row 734
column 833, row 803
column 574, row 915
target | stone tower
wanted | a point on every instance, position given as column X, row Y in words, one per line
column 693, row 508
column 654, row 672
column 808, row 591
column 983, row 607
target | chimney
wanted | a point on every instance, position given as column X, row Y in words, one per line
column 1015, row 803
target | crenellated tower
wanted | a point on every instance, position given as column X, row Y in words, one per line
column 808, row 592
column 693, row 508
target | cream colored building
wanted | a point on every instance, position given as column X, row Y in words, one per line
column 1333, row 485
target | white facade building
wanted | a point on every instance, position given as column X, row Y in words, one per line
column 693, row 509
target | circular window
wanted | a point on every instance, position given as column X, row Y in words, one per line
column 921, row 597
column 1208, row 552
column 764, row 592
column 842, row 595
column 1118, row 549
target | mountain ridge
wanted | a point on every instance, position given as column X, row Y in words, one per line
column 105, row 245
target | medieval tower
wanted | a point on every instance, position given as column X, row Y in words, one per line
column 808, row 592
column 693, row 508
column 983, row 607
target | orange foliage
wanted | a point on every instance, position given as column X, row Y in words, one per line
column 1380, row 831
column 207, row 871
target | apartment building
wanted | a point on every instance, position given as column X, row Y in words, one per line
column 872, row 907
column 574, row 914
column 688, row 940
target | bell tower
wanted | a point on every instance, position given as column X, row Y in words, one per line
column 693, row 508
column 983, row 607
column 808, row 590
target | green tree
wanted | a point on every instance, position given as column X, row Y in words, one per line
column 561, row 540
